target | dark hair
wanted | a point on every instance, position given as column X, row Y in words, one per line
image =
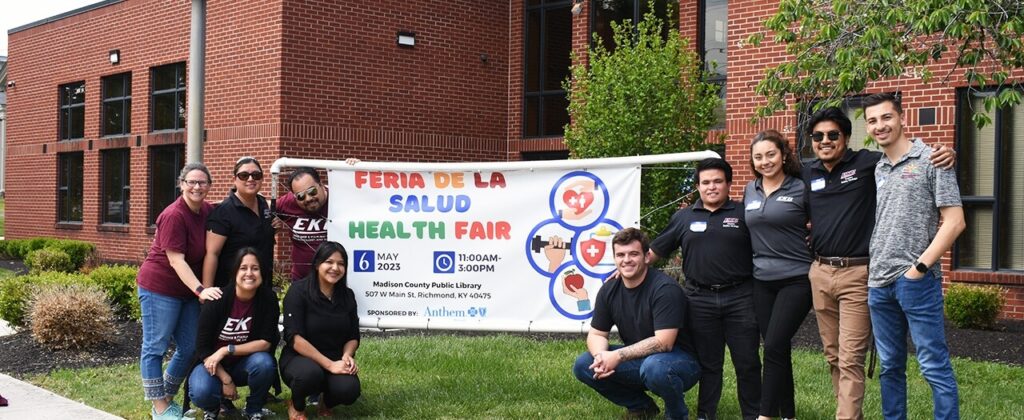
column 244, row 160
column 878, row 98
column 323, row 252
column 238, row 263
column 833, row 114
column 628, row 235
column 305, row 170
column 790, row 164
column 713, row 163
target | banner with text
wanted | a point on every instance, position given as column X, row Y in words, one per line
column 506, row 250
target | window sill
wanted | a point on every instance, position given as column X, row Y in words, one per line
column 1003, row 278
column 112, row 227
column 68, row 225
column 151, row 230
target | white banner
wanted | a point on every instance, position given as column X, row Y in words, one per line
column 520, row 249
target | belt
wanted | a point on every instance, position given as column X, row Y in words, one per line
column 716, row 287
column 842, row 262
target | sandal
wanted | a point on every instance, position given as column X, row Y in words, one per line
column 294, row 414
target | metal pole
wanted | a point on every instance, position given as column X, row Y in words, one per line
column 196, row 82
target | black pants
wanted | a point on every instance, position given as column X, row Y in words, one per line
column 781, row 307
column 717, row 319
column 306, row 378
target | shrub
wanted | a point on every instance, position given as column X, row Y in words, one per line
column 79, row 251
column 118, row 282
column 973, row 306
column 70, row 316
column 49, row 259
column 16, row 291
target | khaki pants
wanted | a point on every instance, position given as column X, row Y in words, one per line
column 840, row 298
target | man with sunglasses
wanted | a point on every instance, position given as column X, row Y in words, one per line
column 842, row 212
column 304, row 211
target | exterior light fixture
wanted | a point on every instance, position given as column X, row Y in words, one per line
column 577, row 7
column 406, row 39
column 115, row 56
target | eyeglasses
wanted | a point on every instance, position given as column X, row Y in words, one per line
column 308, row 193
column 819, row 136
column 244, row 176
column 192, row 183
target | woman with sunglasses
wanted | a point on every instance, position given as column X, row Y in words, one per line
column 776, row 214
column 235, row 343
column 170, row 291
column 321, row 335
column 242, row 220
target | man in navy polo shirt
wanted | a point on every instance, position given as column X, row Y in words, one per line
column 718, row 264
column 842, row 213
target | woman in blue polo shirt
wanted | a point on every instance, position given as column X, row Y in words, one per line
column 776, row 214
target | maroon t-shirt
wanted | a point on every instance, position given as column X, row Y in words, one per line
column 308, row 232
column 238, row 327
column 177, row 229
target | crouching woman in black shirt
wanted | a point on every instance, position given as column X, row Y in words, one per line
column 235, row 343
column 321, row 332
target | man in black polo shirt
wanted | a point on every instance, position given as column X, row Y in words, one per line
column 842, row 212
column 718, row 265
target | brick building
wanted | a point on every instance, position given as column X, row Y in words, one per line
column 94, row 145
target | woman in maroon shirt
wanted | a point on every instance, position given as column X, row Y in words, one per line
column 170, row 291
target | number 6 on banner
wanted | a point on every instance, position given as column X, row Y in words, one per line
column 364, row 261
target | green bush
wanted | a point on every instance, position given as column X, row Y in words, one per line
column 79, row 251
column 973, row 306
column 15, row 292
column 70, row 316
column 118, row 282
column 49, row 259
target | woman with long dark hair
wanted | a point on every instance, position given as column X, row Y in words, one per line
column 235, row 342
column 321, row 334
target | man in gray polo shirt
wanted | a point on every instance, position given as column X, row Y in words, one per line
column 904, row 275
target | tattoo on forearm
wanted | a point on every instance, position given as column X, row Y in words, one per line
column 642, row 348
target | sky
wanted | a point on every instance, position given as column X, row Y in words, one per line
column 20, row 12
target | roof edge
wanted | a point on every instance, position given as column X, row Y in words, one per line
column 55, row 18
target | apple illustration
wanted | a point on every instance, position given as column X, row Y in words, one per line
column 573, row 280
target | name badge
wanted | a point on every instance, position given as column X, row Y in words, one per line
column 817, row 184
column 754, row 205
column 698, row 226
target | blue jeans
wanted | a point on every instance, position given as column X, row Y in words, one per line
column 668, row 375
column 255, row 371
column 165, row 317
column 914, row 305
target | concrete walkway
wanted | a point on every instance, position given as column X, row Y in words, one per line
column 27, row 401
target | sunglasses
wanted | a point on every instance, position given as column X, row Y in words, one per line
column 194, row 183
column 309, row 193
column 819, row 136
column 244, row 176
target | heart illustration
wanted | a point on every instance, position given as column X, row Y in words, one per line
column 578, row 201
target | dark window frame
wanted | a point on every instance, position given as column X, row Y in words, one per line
column 126, row 104
column 718, row 79
column 542, row 95
column 178, row 93
column 66, row 110
column 123, row 190
column 67, row 188
column 637, row 14
column 995, row 202
column 178, row 151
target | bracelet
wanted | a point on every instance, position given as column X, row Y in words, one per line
column 199, row 289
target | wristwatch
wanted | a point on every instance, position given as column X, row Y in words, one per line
column 231, row 349
column 920, row 267
column 199, row 289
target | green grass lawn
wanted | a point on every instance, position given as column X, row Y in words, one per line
column 503, row 376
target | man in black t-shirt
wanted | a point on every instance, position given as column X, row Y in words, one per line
column 718, row 264
column 649, row 309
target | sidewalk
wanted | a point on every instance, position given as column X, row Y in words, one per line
column 28, row 401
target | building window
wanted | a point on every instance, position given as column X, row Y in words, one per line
column 548, row 36
column 991, row 173
column 116, row 185
column 165, row 163
column 168, row 97
column 116, row 114
column 714, row 24
column 69, row 187
column 852, row 107
column 72, row 111
column 607, row 11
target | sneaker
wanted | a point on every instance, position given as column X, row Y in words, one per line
column 255, row 416
column 173, row 412
column 648, row 412
column 228, row 409
column 209, row 415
